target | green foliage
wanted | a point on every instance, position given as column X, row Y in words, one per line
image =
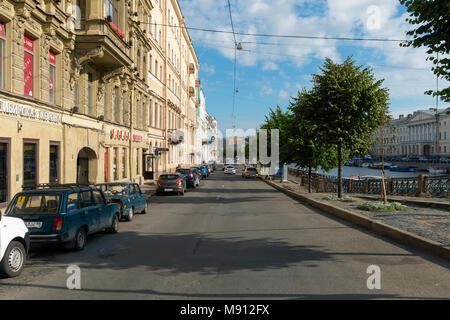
column 281, row 120
column 351, row 106
column 378, row 206
column 432, row 21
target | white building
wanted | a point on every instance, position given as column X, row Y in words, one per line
column 206, row 134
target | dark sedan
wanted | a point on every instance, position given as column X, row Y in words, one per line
column 192, row 179
column 171, row 183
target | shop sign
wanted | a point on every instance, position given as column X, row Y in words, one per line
column 120, row 135
column 137, row 138
column 28, row 112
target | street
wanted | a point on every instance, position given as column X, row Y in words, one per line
column 232, row 239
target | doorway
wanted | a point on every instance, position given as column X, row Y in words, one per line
column 86, row 166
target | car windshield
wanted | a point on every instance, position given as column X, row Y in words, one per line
column 35, row 204
column 251, row 169
column 230, row 167
column 114, row 189
column 169, row 177
column 183, row 171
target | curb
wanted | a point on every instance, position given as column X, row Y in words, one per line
column 394, row 233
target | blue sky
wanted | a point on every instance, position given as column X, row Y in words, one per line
column 270, row 70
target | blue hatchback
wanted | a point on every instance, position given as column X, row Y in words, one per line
column 129, row 197
column 64, row 214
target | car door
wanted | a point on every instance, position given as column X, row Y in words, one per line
column 103, row 213
column 90, row 210
column 142, row 197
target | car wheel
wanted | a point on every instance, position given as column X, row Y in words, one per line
column 145, row 208
column 80, row 239
column 13, row 260
column 130, row 215
column 114, row 225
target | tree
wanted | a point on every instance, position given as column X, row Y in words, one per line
column 281, row 120
column 432, row 19
column 350, row 106
column 306, row 148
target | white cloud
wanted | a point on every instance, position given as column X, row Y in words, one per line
column 408, row 73
column 208, row 69
column 283, row 94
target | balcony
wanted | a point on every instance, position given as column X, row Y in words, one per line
column 197, row 83
column 191, row 91
column 102, row 43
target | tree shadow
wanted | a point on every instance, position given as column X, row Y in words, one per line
column 181, row 253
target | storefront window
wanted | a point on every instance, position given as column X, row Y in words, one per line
column 3, row 172
column 124, row 160
column 52, row 79
column 54, row 163
column 115, row 171
column 28, row 67
column 2, row 55
column 29, row 164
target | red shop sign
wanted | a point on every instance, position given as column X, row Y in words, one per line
column 28, row 74
column 2, row 30
column 28, row 44
column 137, row 138
column 52, row 58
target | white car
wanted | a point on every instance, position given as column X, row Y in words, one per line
column 14, row 245
column 230, row 170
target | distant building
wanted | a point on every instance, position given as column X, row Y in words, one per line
column 423, row 133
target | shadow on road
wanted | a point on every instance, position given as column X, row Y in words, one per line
column 183, row 253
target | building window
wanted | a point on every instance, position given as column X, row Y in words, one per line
column 115, row 171
column 112, row 11
column 4, row 171
column 30, row 164
column 75, row 94
column 124, row 160
column 2, row 57
column 137, row 161
column 28, row 66
column 54, row 163
column 90, row 95
column 52, row 78
column 106, row 165
column 150, row 113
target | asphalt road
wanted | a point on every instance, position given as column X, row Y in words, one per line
column 232, row 239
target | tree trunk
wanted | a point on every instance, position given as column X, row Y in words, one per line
column 339, row 171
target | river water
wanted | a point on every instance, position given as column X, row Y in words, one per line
column 350, row 171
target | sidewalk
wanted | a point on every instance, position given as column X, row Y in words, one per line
column 149, row 188
column 424, row 227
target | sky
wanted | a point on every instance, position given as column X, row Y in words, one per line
column 271, row 70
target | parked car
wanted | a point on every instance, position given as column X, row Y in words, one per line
column 171, row 183
column 64, row 214
column 250, row 172
column 230, row 170
column 192, row 180
column 129, row 197
column 405, row 159
column 444, row 160
column 14, row 245
column 423, row 159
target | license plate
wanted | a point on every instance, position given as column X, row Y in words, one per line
column 168, row 190
column 33, row 224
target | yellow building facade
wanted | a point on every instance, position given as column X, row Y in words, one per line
column 90, row 92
